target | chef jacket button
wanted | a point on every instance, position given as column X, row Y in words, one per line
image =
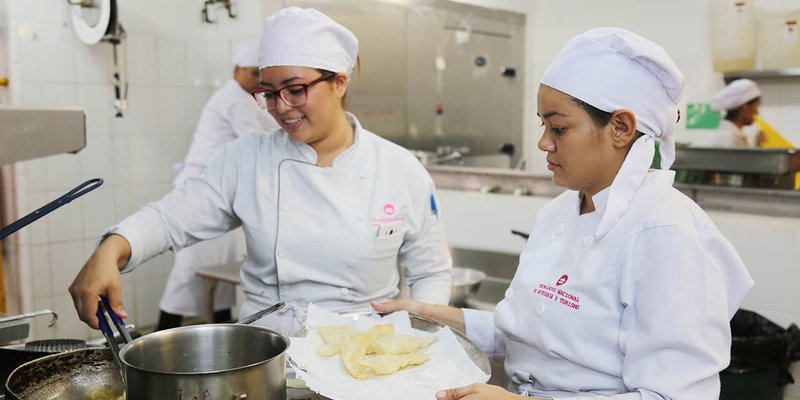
column 509, row 293
column 587, row 241
column 362, row 175
column 281, row 253
column 351, row 263
column 559, row 229
column 359, row 217
column 285, row 208
column 285, row 287
column 540, row 309
column 345, row 291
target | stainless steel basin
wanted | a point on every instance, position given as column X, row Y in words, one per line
column 466, row 281
column 491, row 291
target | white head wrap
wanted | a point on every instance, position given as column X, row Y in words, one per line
column 307, row 38
column 613, row 69
column 246, row 56
column 735, row 94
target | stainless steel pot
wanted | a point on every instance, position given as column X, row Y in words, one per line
column 218, row 361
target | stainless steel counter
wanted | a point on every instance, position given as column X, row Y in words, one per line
column 772, row 202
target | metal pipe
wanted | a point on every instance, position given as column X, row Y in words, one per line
column 30, row 315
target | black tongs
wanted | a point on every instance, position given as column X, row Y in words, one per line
column 103, row 308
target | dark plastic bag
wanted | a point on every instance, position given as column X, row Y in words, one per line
column 759, row 344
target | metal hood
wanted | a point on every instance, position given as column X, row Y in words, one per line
column 30, row 132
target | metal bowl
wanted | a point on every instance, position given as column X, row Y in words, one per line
column 466, row 282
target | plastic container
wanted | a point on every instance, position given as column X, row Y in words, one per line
column 779, row 39
column 733, row 35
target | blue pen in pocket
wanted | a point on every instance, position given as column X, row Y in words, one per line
column 433, row 207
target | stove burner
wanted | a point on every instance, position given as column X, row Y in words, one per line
column 55, row 345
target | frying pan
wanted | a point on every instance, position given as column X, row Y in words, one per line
column 89, row 373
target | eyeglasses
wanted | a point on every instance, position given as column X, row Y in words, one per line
column 292, row 95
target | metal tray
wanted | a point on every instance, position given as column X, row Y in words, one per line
column 744, row 160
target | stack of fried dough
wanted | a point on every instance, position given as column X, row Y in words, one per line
column 377, row 350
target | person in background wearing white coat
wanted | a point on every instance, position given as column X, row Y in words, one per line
column 330, row 210
column 740, row 101
column 230, row 114
column 625, row 288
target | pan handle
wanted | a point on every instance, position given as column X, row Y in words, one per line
column 520, row 234
column 73, row 194
column 52, row 322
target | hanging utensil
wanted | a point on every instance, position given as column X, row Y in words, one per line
column 73, row 194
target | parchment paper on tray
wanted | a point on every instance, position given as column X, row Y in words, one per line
column 448, row 367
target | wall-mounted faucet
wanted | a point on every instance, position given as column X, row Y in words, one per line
column 209, row 15
column 450, row 153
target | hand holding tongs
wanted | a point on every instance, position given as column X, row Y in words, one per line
column 104, row 304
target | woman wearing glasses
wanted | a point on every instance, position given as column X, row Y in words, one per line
column 329, row 209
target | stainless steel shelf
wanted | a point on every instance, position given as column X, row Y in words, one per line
column 763, row 74
column 742, row 160
column 759, row 201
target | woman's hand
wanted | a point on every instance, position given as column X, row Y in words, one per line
column 478, row 391
column 100, row 276
column 412, row 306
column 447, row 315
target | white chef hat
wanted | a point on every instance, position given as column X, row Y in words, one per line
column 735, row 94
column 612, row 69
column 307, row 38
column 246, row 56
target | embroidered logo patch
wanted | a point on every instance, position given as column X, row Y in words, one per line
column 564, row 278
column 388, row 209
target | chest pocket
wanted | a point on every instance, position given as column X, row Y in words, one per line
column 386, row 247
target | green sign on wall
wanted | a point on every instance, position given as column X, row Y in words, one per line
column 700, row 116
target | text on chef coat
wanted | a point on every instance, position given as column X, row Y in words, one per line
column 559, row 296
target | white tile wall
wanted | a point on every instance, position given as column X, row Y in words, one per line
column 168, row 58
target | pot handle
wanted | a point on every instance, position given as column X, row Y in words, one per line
column 240, row 396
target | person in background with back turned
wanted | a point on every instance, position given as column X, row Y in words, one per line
column 230, row 114
column 625, row 288
column 330, row 211
column 740, row 101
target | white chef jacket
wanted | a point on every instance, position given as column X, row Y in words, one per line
column 730, row 135
column 229, row 114
column 641, row 312
column 332, row 236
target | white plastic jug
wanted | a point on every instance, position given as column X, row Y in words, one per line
column 779, row 35
column 733, row 35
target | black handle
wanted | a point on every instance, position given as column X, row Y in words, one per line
column 73, row 194
column 518, row 233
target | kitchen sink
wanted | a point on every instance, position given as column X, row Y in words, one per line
column 491, row 291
